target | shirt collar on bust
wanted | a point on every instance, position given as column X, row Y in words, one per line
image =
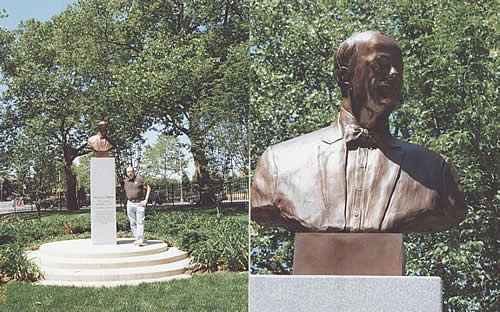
column 335, row 132
column 348, row 121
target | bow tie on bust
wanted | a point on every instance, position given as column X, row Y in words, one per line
column 361, row 137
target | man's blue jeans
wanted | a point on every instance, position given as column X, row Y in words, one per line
column 136, row 214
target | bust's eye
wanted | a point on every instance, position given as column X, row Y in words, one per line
column 381, row 66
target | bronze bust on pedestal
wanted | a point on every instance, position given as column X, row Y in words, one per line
column 100, row 143
column 354, row 176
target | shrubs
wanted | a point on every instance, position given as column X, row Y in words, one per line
column 15, row 265
column 226, row 247
column 272, row 250
column 20, row 231
column 215, row 242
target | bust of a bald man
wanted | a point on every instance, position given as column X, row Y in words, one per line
column 354, row 176
column 100, row 143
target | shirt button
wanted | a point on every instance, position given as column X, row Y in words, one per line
column 356, row 214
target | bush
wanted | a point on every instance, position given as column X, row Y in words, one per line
column 226, row 247
column 272, row 250
column 215, row 242
column 15, row 265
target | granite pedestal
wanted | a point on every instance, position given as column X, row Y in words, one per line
column 346, row 272
column 322, row 293
column 102, row 201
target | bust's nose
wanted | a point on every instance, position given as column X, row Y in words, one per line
column 393, row 73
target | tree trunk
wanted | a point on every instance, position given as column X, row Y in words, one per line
column 70, row 187
column 205, row 183
column 70, row 181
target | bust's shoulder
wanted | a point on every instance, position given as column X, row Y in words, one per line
column 304, row 141
column 418, row 159
column 298, row 153
column 93, row 138
column 416, row 151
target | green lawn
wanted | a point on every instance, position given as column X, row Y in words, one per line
column 205, row 292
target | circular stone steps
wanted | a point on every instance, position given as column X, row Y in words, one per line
column 83, row 248
column 79, row 263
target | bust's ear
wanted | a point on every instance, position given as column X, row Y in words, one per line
column 343, row 76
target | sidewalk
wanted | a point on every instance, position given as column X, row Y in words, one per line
column 7, row 207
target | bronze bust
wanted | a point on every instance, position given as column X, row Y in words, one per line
column 100, row 143
column 354, row 176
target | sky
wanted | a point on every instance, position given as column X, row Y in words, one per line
column 21, row 10
column 43, row 10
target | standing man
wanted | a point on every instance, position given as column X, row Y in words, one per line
column 136, row 205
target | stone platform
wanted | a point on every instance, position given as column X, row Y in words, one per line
column 79, row 263
column 321, row 293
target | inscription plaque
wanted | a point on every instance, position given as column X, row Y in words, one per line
column 103, row 201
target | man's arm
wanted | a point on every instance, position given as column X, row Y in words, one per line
column 148, row 192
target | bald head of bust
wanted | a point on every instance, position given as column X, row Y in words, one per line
column 368, row 68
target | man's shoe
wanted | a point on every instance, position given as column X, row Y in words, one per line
column 139, row 242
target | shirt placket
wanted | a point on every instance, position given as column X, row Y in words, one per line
column 359, row 192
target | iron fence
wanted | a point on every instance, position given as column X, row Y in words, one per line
column 230, row 190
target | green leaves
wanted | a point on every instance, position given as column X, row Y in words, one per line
column 215, row 242
column 163, row 159
column 272, row 250
column 15, row 265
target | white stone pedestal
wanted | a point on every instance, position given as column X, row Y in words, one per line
column 103, row 201
column 335, row 293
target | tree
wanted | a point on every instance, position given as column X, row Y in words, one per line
column 132, row 63
column 449, row 103
column 183, row 72
column 82, row 171
column 228, row 138
column 163, row 159
column 33, row 161
column 37, row 88
column 59, row 74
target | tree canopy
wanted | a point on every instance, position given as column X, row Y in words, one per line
column 133, row 63
column 163, row 159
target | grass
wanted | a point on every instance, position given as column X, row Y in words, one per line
column 207, row 292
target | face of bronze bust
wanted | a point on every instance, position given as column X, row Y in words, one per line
column 102, row 129
column 376, row 80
